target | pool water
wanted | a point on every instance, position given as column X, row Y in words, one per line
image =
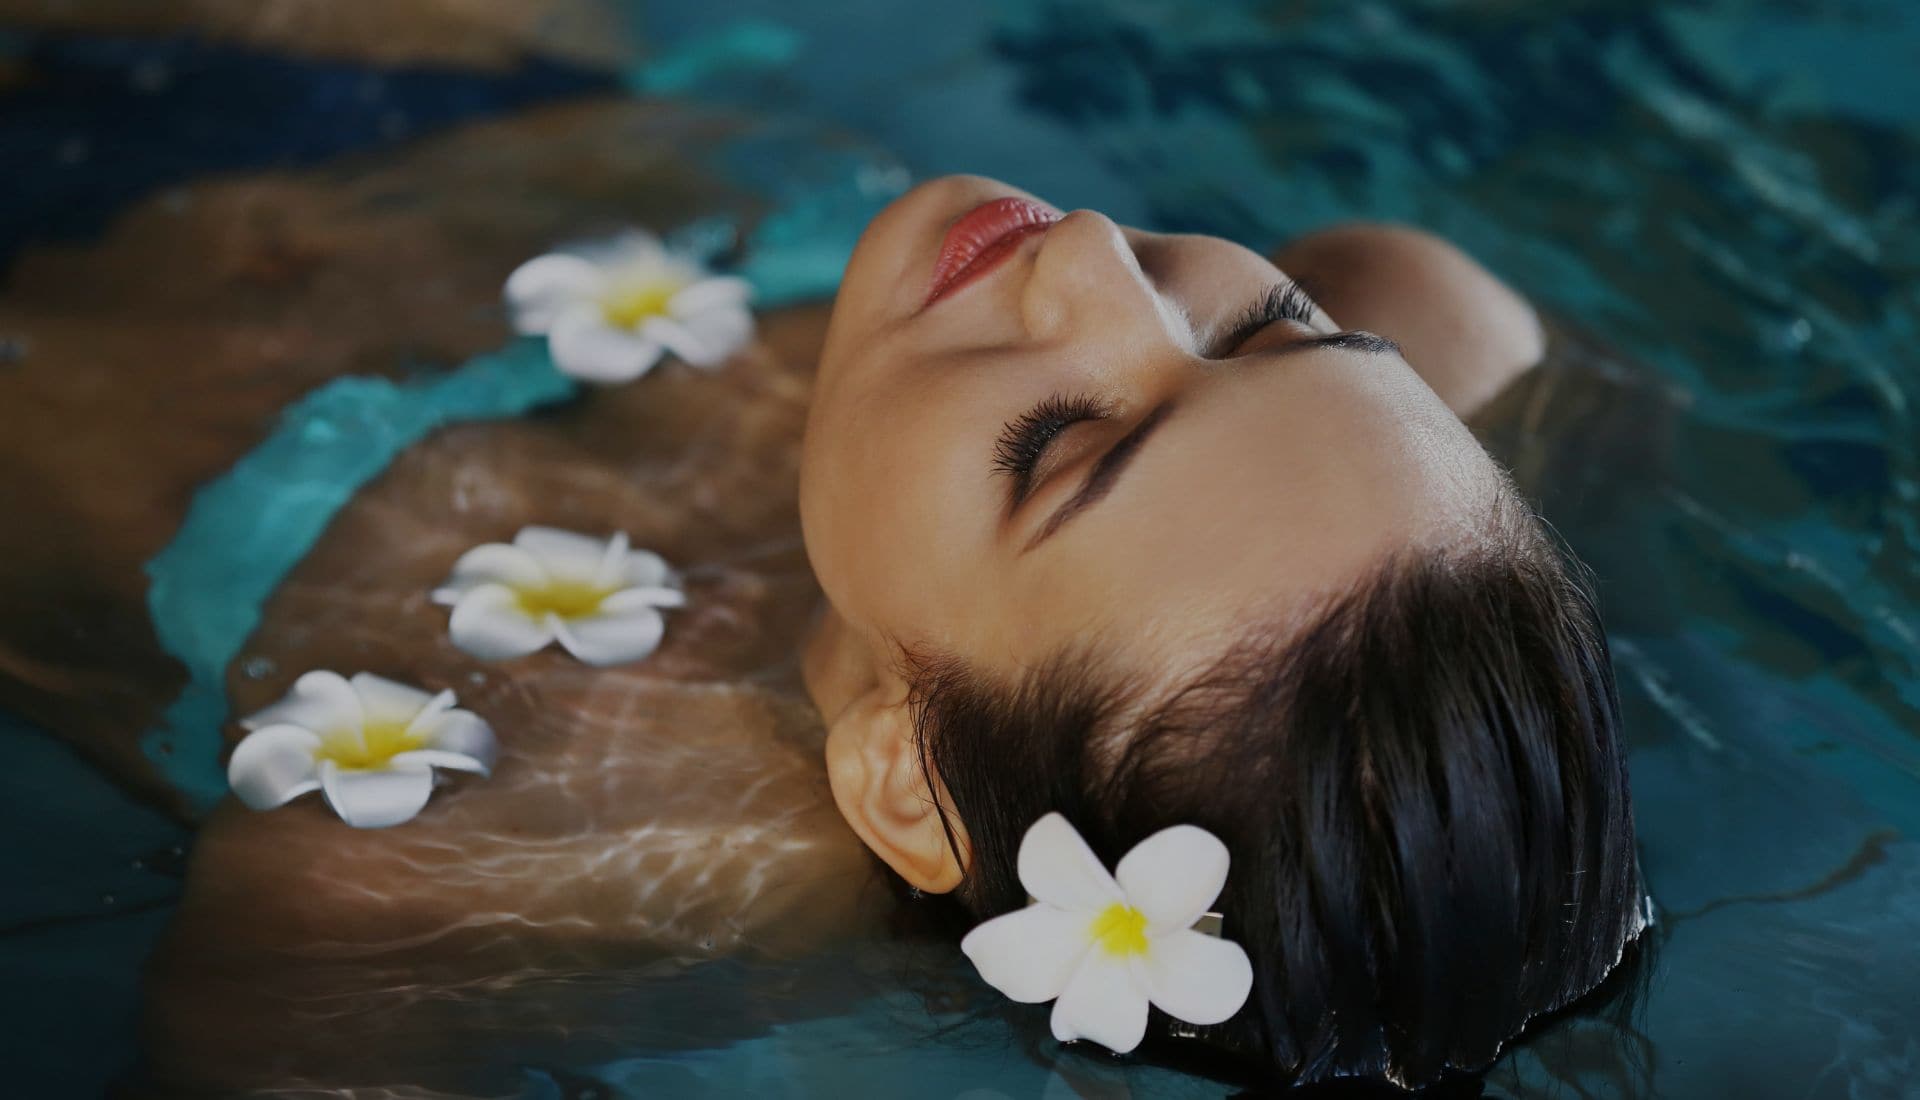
column 1722, row 192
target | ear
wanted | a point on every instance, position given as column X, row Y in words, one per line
column 873, row 764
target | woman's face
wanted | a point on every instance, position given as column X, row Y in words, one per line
column 1098, row 435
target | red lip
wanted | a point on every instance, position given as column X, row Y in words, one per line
column 982, row 238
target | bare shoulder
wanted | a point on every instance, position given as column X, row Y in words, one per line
column 1467, row 333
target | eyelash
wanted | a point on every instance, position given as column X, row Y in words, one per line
column 1281, row 302
column 1026, row 437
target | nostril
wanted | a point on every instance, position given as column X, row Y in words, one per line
column 1086, row 274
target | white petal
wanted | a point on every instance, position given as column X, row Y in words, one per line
column 565, row 555
column 1198, row 978
column 1173, row 876
column 387, row 701
column 613, row 560
column 725, row 329
column 645, row 569
column 321, row 701
column 632, row 250
column 274, row 765
column 585, row 346
column 428, row 715
column 1057, row 867
column 491, row 563
column 612, row 637
column 375, row 799
column 710, row 293
column 643, row 597
column 489, row 623
column 1104, row 1001
column 692, row 347
column 542, row 288
column 1030, row 953
column 460, row 740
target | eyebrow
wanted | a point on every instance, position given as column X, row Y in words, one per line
column 1100, row 480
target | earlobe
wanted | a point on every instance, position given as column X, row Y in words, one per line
column 873, row 764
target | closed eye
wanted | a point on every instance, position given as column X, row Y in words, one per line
column 1025, row 439
column 1281, row 302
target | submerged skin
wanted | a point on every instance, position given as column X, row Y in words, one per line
column 648, row 817
column 1278, row 469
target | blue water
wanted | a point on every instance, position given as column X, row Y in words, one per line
column 1724, row 191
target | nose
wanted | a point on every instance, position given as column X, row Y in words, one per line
column 1086, row 281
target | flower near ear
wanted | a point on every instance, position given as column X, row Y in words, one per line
column 1108, row 945
column 599, row 598
column 610, row 311
column 368, row 744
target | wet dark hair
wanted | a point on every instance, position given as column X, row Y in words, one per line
column 1423, row 790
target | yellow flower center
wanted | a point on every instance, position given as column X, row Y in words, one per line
column 377, row 743
column 567, row 599
column 1121, row 930
column 631, row 303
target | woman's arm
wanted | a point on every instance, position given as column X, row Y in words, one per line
column 1467, row 333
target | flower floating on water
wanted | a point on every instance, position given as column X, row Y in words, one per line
column 600, row 599
column 610, row 311
column 368, row 744
column 1107, row 945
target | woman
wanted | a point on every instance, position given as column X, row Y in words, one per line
column 1112, row 525
column 1126, row 527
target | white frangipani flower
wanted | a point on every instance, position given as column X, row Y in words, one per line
column 1108, row 944
column 599, row 598
column 609, row 311
column 369, row 744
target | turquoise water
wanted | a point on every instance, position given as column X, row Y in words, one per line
column 1725, row 192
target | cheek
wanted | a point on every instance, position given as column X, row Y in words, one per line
column 891, row 522
column 1211, row 278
